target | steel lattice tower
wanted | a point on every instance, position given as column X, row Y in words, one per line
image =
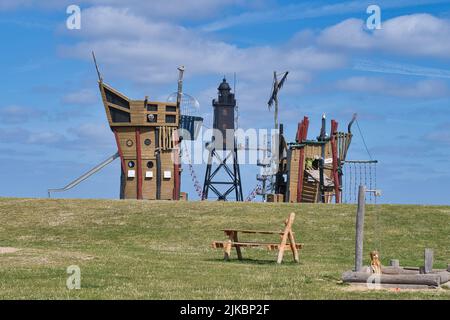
column 223, row 124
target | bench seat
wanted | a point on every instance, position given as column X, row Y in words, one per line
column 249, row 244
column 227, row 231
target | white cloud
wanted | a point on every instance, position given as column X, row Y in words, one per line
column 87, row 136
column 411, row 35
column 381, row 86
column 92, row 133
column 45, row 138
column 148, row 52
column 167, row 10
column 81, row 97
column 400, row 68
column 20, row 114
column 418, row 34
column 307, row 10
column 172, row 9
column 349, row 34
column 18, row 135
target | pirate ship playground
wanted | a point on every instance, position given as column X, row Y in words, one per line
column 149, row 136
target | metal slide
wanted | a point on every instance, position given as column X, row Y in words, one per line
column 86, row 175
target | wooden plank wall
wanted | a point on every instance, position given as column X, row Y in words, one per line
column 293, row 174
column 310, row 190
column 313, row 152
column 139, row 127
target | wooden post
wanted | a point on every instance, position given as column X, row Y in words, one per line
column 227, row 250
column 293, row 247
column 284, row 238
column 333, row 137
column 360, row 228
column 395, row 263
column 176, row 166
column 238, row 248
column 138, row 164
column 428, row 260
column 301, row 160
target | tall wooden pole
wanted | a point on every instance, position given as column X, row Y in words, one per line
column 177, row 164
column 322, row 160
column 277, row 134
column 275, row 88
column 360, row 228
column 333, row 137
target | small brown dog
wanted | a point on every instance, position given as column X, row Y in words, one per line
column 375, row 262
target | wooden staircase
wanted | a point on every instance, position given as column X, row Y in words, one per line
column 310, row 191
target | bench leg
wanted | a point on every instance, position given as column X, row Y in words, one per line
column 280, row 254
column 227, row 250
column 293, row 247
column 284, row 237
column 238, row 248
column 281, row 249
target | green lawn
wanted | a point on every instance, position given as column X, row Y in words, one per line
column 161, row 250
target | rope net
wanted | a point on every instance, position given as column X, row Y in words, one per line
column 356, row 173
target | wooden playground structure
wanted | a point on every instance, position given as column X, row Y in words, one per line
column 311, row 170
column 287, row 241
column 148, row 143
column 146, row 137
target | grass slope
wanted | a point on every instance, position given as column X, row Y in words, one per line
column 161, row 250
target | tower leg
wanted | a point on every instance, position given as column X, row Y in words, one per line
column 207, row 176
column 232, row 172
column 237, row 176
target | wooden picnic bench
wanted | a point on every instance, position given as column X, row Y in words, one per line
column 287, row 241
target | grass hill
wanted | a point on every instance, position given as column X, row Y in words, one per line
column 161, row 250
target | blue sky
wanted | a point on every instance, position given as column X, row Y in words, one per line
column 53, row 127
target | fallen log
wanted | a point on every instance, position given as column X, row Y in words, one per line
column 399, row 270
column 444, row 275
column 433, row 280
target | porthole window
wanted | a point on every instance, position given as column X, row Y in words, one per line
column 150, row 164
column 129, row 143
column 130, row 164
column 147, row 142
column 151, row 118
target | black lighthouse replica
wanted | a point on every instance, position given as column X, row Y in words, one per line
column 222, row 175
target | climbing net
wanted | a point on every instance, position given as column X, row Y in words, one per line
column 197, row 186
column 356, row 173
column 252, row 195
